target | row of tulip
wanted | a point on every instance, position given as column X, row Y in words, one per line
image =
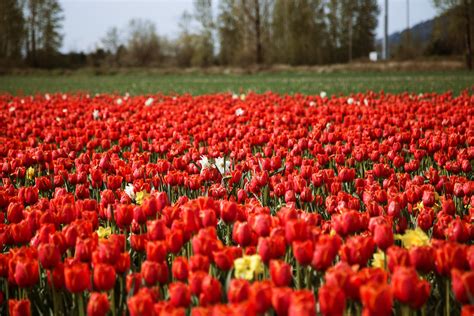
column 231, row 204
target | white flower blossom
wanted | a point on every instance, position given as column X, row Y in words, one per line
column 350, row 101
column 96, row 114
column 235, row 96
column 58, row 119
column 222, row 165
column 119, row 101
column 127, row 95
column 366, row 102
column 12, row 109
column 242, row 97
column 323, row 94
column 149, row 101
column 64, row 110
column 64, row 96
column 239, row 112
column 130, row 191
column 22, row 101
column 205, row 163
column 312, row 103
column 47, row 97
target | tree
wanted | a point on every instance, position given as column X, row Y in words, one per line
column 12, row 29
column 463, row 18
column 230, row 32
column 351, row 28
column 364, row 25
column 44, row 21
column 111, row 41
column 257, row 13
column 203, row 41
column 113, row 44
column 143, row 43
column 298, row 32
column 184, row 44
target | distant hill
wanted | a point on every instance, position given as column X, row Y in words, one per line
column 420, row 32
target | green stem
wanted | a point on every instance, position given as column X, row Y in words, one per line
column 114, row 309
column 55, row 299
column 405, row 310
column 308, row 278
column 298, row 275
column 448, row 308
column 80, row 304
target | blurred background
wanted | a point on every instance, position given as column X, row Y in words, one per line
column 204, row 46
column 239, row 33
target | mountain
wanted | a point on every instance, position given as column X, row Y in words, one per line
column 420, row 32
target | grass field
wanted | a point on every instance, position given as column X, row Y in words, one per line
column 306, row 83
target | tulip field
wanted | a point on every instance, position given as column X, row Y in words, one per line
column 237, row 204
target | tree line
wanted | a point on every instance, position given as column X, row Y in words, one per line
column 231, row 33
column 30, row 31
column 249, row 32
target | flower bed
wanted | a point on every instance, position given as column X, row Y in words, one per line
column 237, row 204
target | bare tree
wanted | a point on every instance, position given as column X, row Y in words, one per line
column 463, row 11
column 143, row 43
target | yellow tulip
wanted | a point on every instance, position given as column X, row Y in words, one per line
column 413, row 237
column 247, row 267
column 104, row 232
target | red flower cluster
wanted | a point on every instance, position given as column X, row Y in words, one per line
column 217, row 205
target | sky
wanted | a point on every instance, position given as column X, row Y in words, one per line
column 87, row 21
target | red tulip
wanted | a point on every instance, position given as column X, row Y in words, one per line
column 280, row 273
column 77, row 277
column 262, row 295
column 242, row 234
column 180, row 295
column 19, row 307
column 332, row 300
column 133, row 282
column 180, row 269
column 104, row 277
column 156, row 251
column 408, row 289
column 239, row 291
column 383, row 236
column 376, row 299
column 26, row 272
column 303, row 251
column 98, row 305
column 462, row 285
column 422, row 258
column 48, row 255
column 281, row 298
column 210, row 291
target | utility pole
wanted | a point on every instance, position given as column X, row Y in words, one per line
column 385, row 39
column 408, row 47
column 408, row 14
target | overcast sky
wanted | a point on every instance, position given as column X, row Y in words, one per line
column 86, row 21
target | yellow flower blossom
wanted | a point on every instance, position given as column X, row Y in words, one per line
column 104, row 232
column 140, row 196
column 379, row 260
column 247, row 267
column 30, row 173
column 419, row 206
column 412, row 238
